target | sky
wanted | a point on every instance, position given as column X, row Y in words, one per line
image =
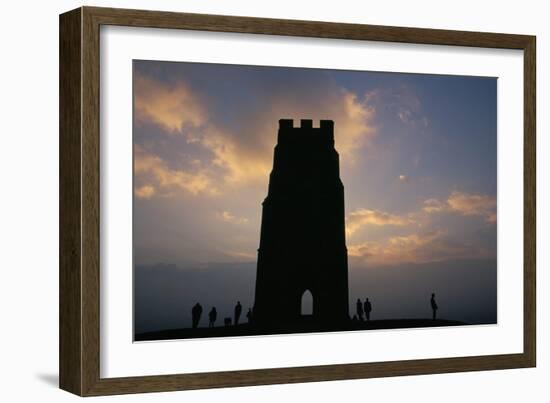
column 417, row 160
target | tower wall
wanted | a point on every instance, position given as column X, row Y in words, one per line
column 302, row 241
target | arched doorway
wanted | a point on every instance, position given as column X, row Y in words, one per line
column 307, row 303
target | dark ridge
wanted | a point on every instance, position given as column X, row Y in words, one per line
column 306, row 326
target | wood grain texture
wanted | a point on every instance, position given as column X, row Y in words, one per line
column 530, row 202
column 70, row 313
column 222, row 23
column 80, row 200
column 90, row 202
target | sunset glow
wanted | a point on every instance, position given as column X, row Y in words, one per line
column 417, row 160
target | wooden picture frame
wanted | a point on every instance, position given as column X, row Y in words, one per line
column 80, row 184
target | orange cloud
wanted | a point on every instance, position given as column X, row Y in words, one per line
column 172, row 107
column 228, row 217
column 146, row 164
column 465, row 204
column 426, row 247
column 241, row 165
column 434, row 206
column 354, row 128
column 362, row 217
column 145, row 191
column 246, row 156
column 474, row 204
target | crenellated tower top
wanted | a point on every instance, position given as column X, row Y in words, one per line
column 305, row 133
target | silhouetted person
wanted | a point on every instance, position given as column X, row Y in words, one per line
column 368, row 308
column 238, row 310
column 212, row 316
column 249, row 315
column 434, row 306
column 359, row 305
column 196, row 313
column 227, row 321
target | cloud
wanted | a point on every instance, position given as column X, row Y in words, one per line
column 404, row 115
column 434, row 206
column 145, row 192
column 247, row 155
column 361, row 217
column 465, row 204
column 474, row 204
column 404, row 104
column 432, row 246
column 172, row 107
column 228, row 217
column 404, row 178
column 240, row 165
column 240, row 255
column 242, row 154
column 411, row 118
column 155, row 169
column 354, row 125
column 409, row 108
column 426, row 246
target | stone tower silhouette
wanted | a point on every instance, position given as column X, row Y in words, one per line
column 302, row 241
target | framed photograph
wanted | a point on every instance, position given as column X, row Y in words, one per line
column 249, row 201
